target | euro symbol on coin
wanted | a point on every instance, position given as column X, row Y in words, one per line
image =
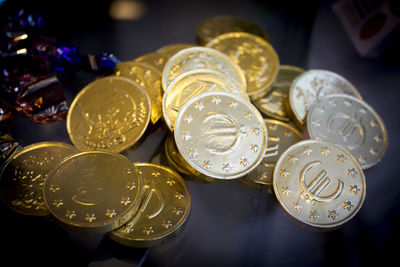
column 350, row 129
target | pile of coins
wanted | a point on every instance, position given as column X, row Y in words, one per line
column 233, row 113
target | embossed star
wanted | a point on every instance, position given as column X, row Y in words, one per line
column 128, row 228
column 199, row 106
column 110, row 213
column 286, row 191
column 273, row 127
column 188, row 118
column 125, row 200
column 179, row 195
column 58, row 202
column 233, row 104
column 320, row 109
column 347, row 205
column 166, row 224
column 177, row 211
column 325, row 151
column 307, row 150
column 148, row 230
column 131, row 185
column 354, row 189
column 90, row 217
column 70, row 214
column 292, row 158
column 332, row 103
column 263, row 176
column 216, row 100
column 248, row 115
column 243, row 162
column 226, row 167
column 347, row 103
column 352, row 172
column 313, row 215
column 284, row 173
column 372, row 123
column 316, row 123
column 332, row 214
column 256, row 130
column 287, row 133
column 377, row 138
column 362, row 160
column 186, row 136
column 254, row 147
column 296, row 206
column 373, row 151
column 207, row 164
column 170, row 182
column 362, row 110
column 53, row 188
column 155, row 174
column 193, row 153
column 341, row 158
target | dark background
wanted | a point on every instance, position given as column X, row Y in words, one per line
column 230, row 225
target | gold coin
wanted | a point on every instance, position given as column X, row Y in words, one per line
column 280, row 137
column 312, row 85
column 24, row 175
column 254, row 55
column 194, row 83
column 159, row 58
column 319, row 183
column 196, row 58
column 147, row 77
column 93, row 191
column 164, row 208
column 220, row 135
column 110, row 114
column 273, row 104
column 211, row 28
column 351, row 123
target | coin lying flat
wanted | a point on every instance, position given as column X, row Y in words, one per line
column 23, row 177
column 93, row 191
column 314, row 84
column 164, row 208
column 350, row 123
column 220, row 135
column 147, row 77
column 212, row 27
column 110, row 113
column 319, row 183
column 194, row 83
column 280, row 136
column 256, row 57
column 273, row 104
column 195, row 58
column 159, row 58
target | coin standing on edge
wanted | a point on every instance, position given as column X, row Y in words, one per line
column 280, row 137
column 350, row 123
column 164, row 208
column 93, row 191
column 256, row 57
column 24, row 175
column 220, row 135
column 110, row 114
column 147, row 77
column 194, row 83
column 319, row 183
column 314, row 84
column 212, row 27
column 274, row 103
column 195, row 58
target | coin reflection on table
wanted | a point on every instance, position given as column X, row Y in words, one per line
column 164, row 208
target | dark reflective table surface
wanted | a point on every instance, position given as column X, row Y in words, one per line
column 229, row 225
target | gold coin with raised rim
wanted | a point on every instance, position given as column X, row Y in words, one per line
column 93, row 191
column 149, row 78
column 194, row 83
column 195, row 58
column 25, row 173
column 110, row 114
column 164, row 208
column 319, row 183
column 220, row 135
column 256, row 57
column 312, row 85
column 280, row 136
column 350, row 123
column 274, row 103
